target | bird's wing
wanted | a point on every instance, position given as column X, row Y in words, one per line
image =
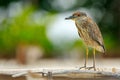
column 79, row 34
column 93, row 31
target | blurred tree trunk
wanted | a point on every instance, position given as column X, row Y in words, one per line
column 21, row 53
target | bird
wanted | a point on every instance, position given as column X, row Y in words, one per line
column 90, row 34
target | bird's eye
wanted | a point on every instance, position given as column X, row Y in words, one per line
column 78, row 15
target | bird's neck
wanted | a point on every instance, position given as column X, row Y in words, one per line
column 80, row 19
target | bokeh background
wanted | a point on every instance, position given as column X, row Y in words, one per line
column 37, row 29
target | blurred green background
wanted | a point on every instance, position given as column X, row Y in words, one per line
column 41, row 23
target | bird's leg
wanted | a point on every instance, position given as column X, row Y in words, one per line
column 86, row 58
column 93, row 61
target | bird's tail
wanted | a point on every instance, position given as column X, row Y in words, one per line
column 100, row 49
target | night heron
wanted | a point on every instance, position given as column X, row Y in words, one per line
column 89, row 33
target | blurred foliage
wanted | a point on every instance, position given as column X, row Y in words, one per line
column 109, row 23
column 13, row 30
column 23, row 29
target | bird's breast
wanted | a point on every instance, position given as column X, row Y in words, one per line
column 82, row 30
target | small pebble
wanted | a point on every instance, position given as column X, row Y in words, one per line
column 114, row 70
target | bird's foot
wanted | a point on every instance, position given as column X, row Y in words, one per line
column 83, row 67
column 89, row 68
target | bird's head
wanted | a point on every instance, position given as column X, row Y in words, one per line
column 76, row 15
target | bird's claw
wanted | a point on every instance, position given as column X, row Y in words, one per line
column 83, row 67
column 88, row 68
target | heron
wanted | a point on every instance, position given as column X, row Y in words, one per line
column 90, row 34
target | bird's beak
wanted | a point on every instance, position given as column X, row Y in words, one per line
column 71, row 17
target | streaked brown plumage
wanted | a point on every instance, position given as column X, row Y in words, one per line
column 89, row 33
